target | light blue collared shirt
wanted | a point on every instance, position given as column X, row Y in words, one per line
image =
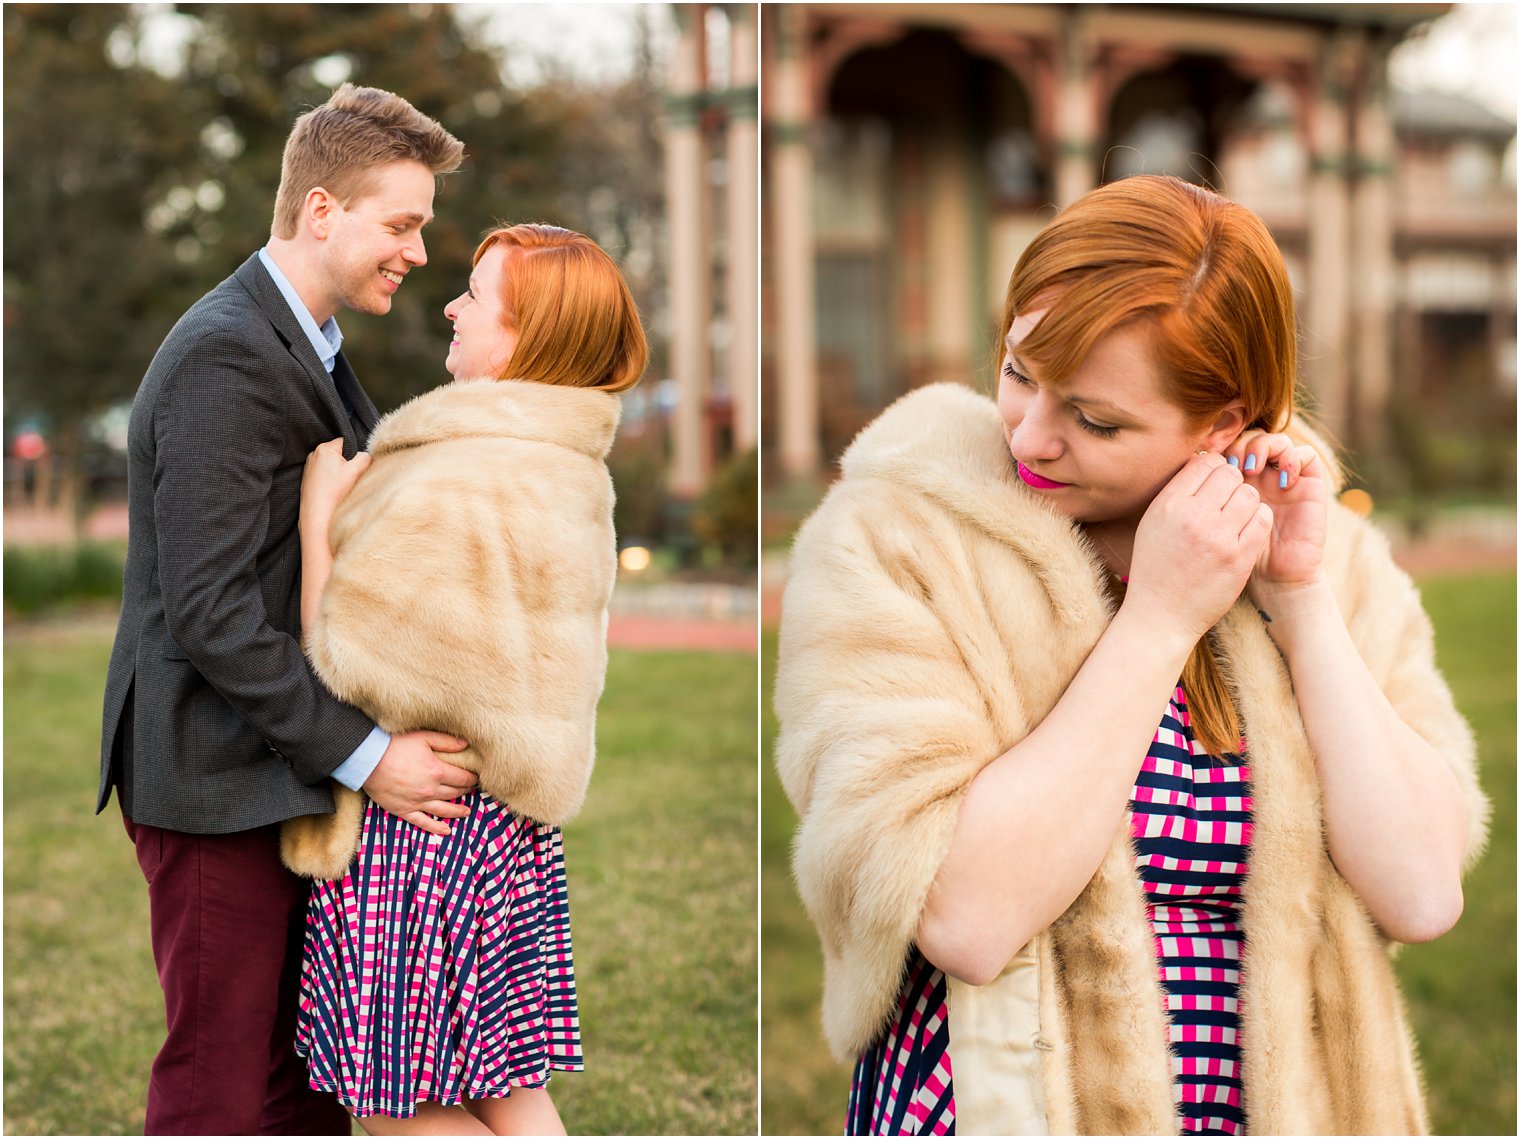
column 354, row 770
column 326, row 340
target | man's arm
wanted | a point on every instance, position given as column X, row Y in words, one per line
column 220, row 430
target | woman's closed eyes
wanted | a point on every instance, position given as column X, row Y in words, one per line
column 1083, row 422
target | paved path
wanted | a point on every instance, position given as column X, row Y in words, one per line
column 632, row 631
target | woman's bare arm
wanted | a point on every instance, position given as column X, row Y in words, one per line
column 328, row 479
column 1395, row 819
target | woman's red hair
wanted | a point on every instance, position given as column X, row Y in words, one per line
column 1202, row 270
column 575, row 318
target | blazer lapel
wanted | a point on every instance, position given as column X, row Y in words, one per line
column 272, row 303
column 347, row 385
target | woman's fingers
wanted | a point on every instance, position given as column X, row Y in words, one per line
column 1193, row 475
column 1257, row 531
column 1221, row 483
column 1238, row 509
column 1263, row 455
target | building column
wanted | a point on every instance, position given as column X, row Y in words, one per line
column 1076, row 116
column 949, row 257
column 743, row 208
column 792, row 216
column 686, row 211
column 1329, row 249
column 1372, row 253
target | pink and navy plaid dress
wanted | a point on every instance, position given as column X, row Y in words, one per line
column 1191, row 834
column 439, row 968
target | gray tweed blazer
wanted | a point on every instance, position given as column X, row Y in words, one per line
column 210, row 707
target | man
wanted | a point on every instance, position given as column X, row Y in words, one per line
column 215, row 728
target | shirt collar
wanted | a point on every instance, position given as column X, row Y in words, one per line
column 325, row 340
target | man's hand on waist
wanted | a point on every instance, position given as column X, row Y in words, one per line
column 416, row 785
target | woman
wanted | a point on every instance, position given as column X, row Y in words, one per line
column 1041, row 910
column 462, row 586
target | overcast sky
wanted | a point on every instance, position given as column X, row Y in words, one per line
column 590, row 40
column 1472, row 51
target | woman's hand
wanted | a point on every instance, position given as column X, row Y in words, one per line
column 1196, row 546
column 1291, row 479
column 328, row 479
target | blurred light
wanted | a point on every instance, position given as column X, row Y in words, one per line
column 332, row 70
column 110, row 426
column 218, row 137
column 634, row 558
column 29, row 445
column 210, row 196
column 1358, row 501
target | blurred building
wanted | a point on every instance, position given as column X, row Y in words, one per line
column 910, row 151
column 712, row 209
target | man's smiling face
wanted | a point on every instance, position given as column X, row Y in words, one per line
column 376, row 240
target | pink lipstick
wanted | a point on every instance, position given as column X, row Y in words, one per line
column 1035, row 480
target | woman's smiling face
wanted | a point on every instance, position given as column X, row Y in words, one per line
column 484, row 340
column 1102, row 444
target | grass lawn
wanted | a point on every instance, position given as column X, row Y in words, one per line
column 1460, row 989
column 662, row 896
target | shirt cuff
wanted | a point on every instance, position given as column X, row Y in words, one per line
column 354, row 770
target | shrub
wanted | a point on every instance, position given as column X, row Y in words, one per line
column 39, row 578
column 637, row 465
column 728, row 514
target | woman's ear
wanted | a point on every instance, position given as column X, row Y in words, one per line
column 1226, row 426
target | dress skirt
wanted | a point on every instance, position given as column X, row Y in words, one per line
column 439, row 968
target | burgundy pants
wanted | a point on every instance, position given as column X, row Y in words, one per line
column 227, row 922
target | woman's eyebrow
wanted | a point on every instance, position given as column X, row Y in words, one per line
column 1087, row 401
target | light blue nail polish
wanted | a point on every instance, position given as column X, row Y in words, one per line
column 1233, row 461
column 1282, row 480
column 1250, row 462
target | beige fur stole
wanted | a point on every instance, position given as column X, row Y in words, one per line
column 935, row 611
column 472, row 565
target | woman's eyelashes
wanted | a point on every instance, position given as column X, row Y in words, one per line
column 1083, row 422
column 1096, row 428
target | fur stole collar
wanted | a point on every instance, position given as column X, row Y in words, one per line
column 582, row 419
column 964, row 465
